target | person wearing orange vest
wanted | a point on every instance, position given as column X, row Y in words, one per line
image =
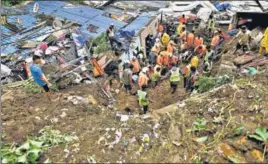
column 173, row 60
column 170, row 47
column 190, row 39
column 159, row 60
column 198, row 41
column 200, row 50
column 143, row 78
column 160, row 28
column 136, row 65
column 182, row 19
column 215, row 40
column 166, row 55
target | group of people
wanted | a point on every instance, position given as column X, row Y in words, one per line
column 172, row 57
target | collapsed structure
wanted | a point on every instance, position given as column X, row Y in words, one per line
column 66, row 34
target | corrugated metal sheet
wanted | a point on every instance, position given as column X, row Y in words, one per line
column 139, row 22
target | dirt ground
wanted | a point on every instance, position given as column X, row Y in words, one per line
column 171, row 138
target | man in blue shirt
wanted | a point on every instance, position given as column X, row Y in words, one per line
column 39, row 76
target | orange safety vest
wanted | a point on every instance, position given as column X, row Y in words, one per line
column 201, row 51
column 198, row 42
column 215, row 40
column 136, row 66
column 182, row 20
column 143, row 80
column 190, row 39
column 165, row 57
column 172, row 60
column 159, row 60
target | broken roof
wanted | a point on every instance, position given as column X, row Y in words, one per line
column 82, row 15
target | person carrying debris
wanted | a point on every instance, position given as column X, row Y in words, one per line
column 198, row 41
column 136, row 65
column 264, row 43
column 111, row 35
column 244, row 37
column 127, row 78
column 39, row 76
column 143, row 78
column 143, row 98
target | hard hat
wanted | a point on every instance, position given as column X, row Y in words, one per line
column 157, row 40
column 244, row 27
column 134, row 57
column 111, row 24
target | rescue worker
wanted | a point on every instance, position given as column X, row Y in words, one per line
column 179, row 28
column 111, row 36
column 207, row 67
column 244, row 37
column 156, row 76
column 159, row 60
column 170, row 47
column 192, row 79
column 200, row 51
column 264, row 43
column 209, row 53
column 190, row 39
column 215, row 40
column 165, row 55
column 143, row 78
column 174, row 78
column 194, row 61
column 136, row 65
column 173, row 60
column 127, row 78
column 143, row 98
column 165, row 39
column 183, row 36
column 157, row 45
column 211, row 22
column 186, row 73
column 152, row 56
column 182, row 19
column 198, row 41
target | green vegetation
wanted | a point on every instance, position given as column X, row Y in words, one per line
column 32, row 87
column 199, row 124
column 29, row 152
column 206, row 83
column 261, row 134
column 102, row 45
column 11, row 2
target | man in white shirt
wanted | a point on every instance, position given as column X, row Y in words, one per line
column 244, row 37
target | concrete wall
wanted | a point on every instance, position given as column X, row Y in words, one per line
column 150, row 28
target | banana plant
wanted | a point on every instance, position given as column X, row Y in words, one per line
column 261, row 134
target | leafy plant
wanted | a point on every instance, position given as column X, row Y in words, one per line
column 32, row 87
column 102, row 45
column 29, row 152
column 199, row 124
column 239, row 130
column 261, row 134
column 206, row 83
